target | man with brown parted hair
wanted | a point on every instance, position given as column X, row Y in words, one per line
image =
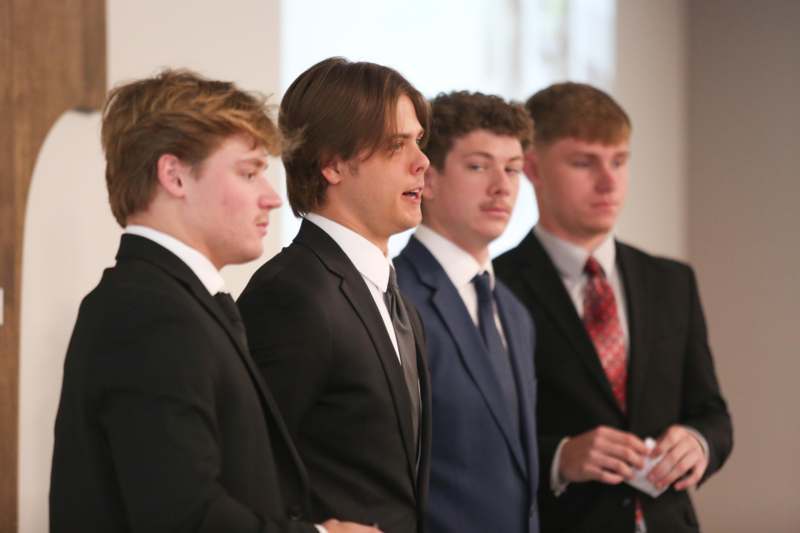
column 484, row 465
column 629, row 412
column 347, row 365
column 163, row 422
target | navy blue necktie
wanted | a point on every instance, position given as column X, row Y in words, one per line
column 498, row 355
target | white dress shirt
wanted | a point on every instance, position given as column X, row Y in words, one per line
column 570, row 260
column 461, row 268
column 370, row 262
column 198, row 263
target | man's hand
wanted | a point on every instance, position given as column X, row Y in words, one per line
column 684, row 459
column 334, row 526
column 603, row 454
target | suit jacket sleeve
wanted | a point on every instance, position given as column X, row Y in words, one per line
column 704, row 408
column 154, row 395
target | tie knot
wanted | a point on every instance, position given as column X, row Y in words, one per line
column 593, row 268
column 225, row 301
column 483, row 286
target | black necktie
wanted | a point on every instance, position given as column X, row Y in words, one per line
column 498, row 356
column 230, row 309
column 405, row 345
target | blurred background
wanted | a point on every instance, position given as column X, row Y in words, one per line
column 712, row 90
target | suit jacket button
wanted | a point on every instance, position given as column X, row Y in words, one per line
column 532, row 511
column 295, row 512
column 626, row 502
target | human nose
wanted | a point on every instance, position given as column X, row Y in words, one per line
column 420, row 163
column 269, row 198
column 500, row 184
column 608, row 177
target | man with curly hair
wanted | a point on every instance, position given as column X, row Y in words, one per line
column 484, row 470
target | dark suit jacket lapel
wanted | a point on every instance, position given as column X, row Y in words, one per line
column 357, row 293
column 450, row 306
column 633, row 281
column 522, row 363
column 541, row 276
column 136, row 247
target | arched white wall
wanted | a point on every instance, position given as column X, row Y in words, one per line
column 70, row 236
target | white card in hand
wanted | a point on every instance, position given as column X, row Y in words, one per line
column 640, row 480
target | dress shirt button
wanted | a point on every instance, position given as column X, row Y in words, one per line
column 626, row 502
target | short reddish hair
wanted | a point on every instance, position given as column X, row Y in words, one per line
column 177, row 112
column 577, row 110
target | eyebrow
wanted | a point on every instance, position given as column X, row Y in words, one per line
column 255, row 161
column 487, row 155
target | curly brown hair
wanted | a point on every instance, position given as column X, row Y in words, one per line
column 577, row 110
column 458, row 113
column 176, row 112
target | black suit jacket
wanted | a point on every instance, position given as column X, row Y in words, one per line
column 671, row 380
column 337, row 380
column 160, row 426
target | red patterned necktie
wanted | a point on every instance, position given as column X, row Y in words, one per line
column 602, row 322
column 601, row 319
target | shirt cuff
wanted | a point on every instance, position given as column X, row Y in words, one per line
column 700, row 438
column 320, row 529
column 557, row 484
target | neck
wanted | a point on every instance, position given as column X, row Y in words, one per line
column 586, row 242
column 352, row 223
column 478, row 250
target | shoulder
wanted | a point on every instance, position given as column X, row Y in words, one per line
column 653, row 265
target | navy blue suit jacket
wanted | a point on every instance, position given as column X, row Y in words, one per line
column 484, row 476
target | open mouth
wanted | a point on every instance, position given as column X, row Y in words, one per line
column 416, row 194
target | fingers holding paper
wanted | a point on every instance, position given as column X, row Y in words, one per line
column 684, row 459
column 603, row 454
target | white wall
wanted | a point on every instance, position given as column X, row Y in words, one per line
column 70, row 235
column 744, row 135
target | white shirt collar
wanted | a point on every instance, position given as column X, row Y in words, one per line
column 459, row 265
column 199, row 264
column 365, row 256
column 570, row 259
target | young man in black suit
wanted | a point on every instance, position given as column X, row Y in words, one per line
column 346, row 365
column 164, row 423
column 622, row 351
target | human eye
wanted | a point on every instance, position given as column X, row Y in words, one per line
column 513, row 171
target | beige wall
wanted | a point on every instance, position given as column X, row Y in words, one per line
column 744, row 185
column 651, row 86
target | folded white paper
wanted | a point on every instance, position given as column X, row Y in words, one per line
column 639, row 480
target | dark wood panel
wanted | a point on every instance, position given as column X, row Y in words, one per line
column 56, row 61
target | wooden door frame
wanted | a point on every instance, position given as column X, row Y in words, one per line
column 53, row 57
